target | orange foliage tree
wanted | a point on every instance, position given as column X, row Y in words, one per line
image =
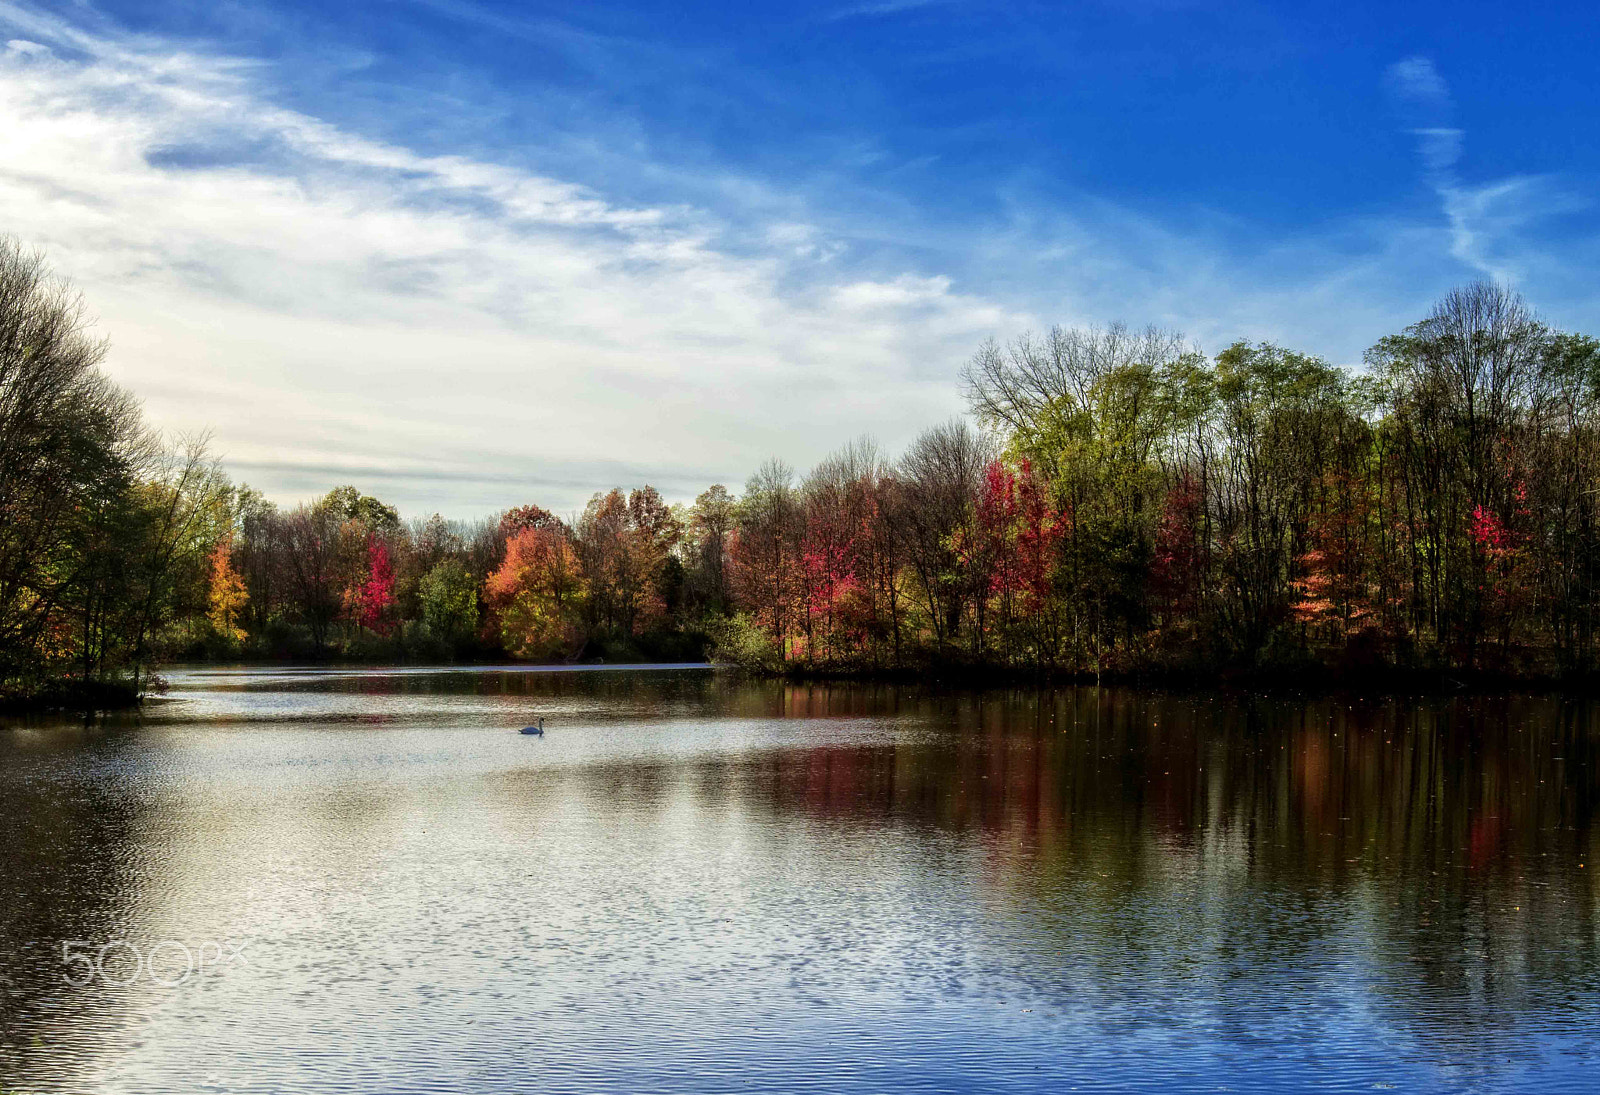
column 227, row 595
column 539, row 595
column 1334, row 591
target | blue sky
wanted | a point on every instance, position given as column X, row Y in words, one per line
column 468, row 254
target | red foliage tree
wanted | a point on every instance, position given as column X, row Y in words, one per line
column 1175, row 565
column 996, row 556
column 827, row 574
column 1500, row 549
column 1043, row 527
column 369, row 602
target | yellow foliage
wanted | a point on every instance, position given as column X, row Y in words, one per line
column 228, row 593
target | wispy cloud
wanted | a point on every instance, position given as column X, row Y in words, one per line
column 1418, row 87
column 1483, row 219
column 330, row 301
column 475, row 330
column 884, row 7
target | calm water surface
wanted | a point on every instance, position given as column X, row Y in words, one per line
column 366, row 881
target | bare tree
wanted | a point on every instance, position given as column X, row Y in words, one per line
column 1477, row 365
column 940, row 478
column 308, row 541
column 1036, row 385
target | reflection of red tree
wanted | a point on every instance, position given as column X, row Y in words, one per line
column 1103, row 795
column 1312, row 774
column 1483, row 843
column 1011, row 779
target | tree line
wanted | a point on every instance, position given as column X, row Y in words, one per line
column 1126, row 505
column 1117, row 503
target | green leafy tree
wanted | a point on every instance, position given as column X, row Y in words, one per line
column 448, row 595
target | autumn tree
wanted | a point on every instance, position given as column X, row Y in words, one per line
column 765, row 551
column 1466, row 388
column 1562, row 464
column 624, row 543
column 870, row 606
column 1280, row 415
column 307, row 540
column 540, row 594
column 522, row 518
column 144, row 556
column 1041, row 529
column 227, row 594
column 349, row 504
column 1176, row 565
column 709, row 530
column 1091, row 409
column 367, row 600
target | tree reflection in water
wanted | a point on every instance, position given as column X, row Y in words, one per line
column 1197, row 883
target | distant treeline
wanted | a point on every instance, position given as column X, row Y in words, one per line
column 1121, row 505
column 1129, row 506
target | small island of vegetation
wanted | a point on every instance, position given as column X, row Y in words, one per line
column 1121, row 505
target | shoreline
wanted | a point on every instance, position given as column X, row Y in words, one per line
column 73, row 697
column 110, row 697
column 1384, row 683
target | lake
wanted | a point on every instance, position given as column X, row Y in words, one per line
column 357, row 880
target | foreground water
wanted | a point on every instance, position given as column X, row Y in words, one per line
column 367, row 881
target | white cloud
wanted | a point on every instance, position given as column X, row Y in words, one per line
column 1416, row 83
column 339, row 308
column 460, row 334
column 873, row 8
column 1484, row 220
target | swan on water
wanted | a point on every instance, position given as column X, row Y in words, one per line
column 536, row 728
